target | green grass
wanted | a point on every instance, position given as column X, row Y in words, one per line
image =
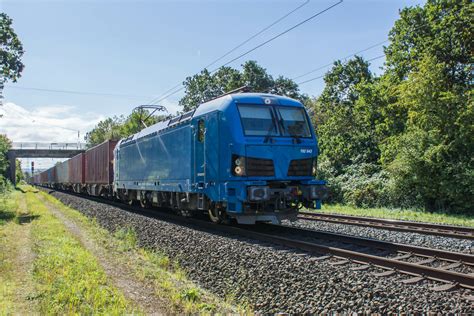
column 169, row 280
column 401, row 214
column 8, row 206
column 8, row 231
column 69, row 278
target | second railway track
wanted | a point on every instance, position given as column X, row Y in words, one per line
column 451, row 231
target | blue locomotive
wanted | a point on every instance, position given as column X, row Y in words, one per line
column 246, row 156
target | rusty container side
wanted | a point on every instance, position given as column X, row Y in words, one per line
column 77, row 169
column 43, row 177
column 99, row 163
column 62, row 172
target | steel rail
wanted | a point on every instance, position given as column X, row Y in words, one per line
column 394, row 225
column 438, row 274
column 379, row 244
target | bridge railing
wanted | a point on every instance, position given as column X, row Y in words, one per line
column 42, row 145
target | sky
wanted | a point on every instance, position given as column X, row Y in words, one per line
column 133, row 51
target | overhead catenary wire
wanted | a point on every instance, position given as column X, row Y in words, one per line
column 344, row 58
column 154, row 100
column 258, row 33
column 78, row 92
column 174, row 91
column 322, row 76
column 280, row 34
column 351, row 55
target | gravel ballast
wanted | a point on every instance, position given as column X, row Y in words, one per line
column 269, row 278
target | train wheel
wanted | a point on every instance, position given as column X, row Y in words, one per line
column 144, row 203
column 218, row 215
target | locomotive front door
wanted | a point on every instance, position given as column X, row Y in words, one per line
column 199, row 154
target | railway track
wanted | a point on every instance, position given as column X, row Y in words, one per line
column 395, row 225
column 385, row 257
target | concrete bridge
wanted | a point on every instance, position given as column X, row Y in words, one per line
column 41, row 150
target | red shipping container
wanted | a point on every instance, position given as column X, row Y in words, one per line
column 77, row 169
column 44, row 177
column 99, row 163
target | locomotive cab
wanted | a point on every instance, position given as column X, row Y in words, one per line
column 258, row 154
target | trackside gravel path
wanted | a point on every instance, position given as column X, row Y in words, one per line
column 136, row 291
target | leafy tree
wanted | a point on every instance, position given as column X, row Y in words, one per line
column 432, row 158
column 119, row 127
column 205, row 86
column 18, row 172
column 11, row 51
column 443, row 29
column 344, row 129
column 5, row 145
column 106, row 129
column 346, row 117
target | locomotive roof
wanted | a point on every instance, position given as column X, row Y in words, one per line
column 218, row 104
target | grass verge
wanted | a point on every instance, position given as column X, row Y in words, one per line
column 168, row 279
column 401, row 214
column 69, row 278
column 8, row 249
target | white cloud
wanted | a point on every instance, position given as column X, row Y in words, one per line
column 54, row 123
column 45, row 124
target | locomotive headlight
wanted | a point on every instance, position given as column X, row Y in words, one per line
column 239, row 171
column 238, row 161
column 238, row 165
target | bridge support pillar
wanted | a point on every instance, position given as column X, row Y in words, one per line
column 12, row 167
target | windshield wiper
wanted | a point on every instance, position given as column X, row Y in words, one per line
column 284, row 129
column 269, row 133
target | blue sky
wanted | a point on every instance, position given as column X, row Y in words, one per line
column 142, row 48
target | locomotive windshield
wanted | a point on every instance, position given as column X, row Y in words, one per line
column 268, row 121
column 293, row 122
column 258, row 120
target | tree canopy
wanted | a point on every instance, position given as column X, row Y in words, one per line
column 120, row 126
column 205, row 86
column 11, row 52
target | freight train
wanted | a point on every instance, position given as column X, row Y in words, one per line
column 246, row 157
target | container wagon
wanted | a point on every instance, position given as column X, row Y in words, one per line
column 98, row 165
column 62, row 176
column 77, row 172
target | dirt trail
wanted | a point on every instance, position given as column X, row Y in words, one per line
column 24, row 258
column 140, row 293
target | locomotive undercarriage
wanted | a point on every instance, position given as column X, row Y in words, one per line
column 272, row 203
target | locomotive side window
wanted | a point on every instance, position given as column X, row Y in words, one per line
column 201, row 130
column 258, row 120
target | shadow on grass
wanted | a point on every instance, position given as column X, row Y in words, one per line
column 6, row 216
column 26, row 218
column 20, row 189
